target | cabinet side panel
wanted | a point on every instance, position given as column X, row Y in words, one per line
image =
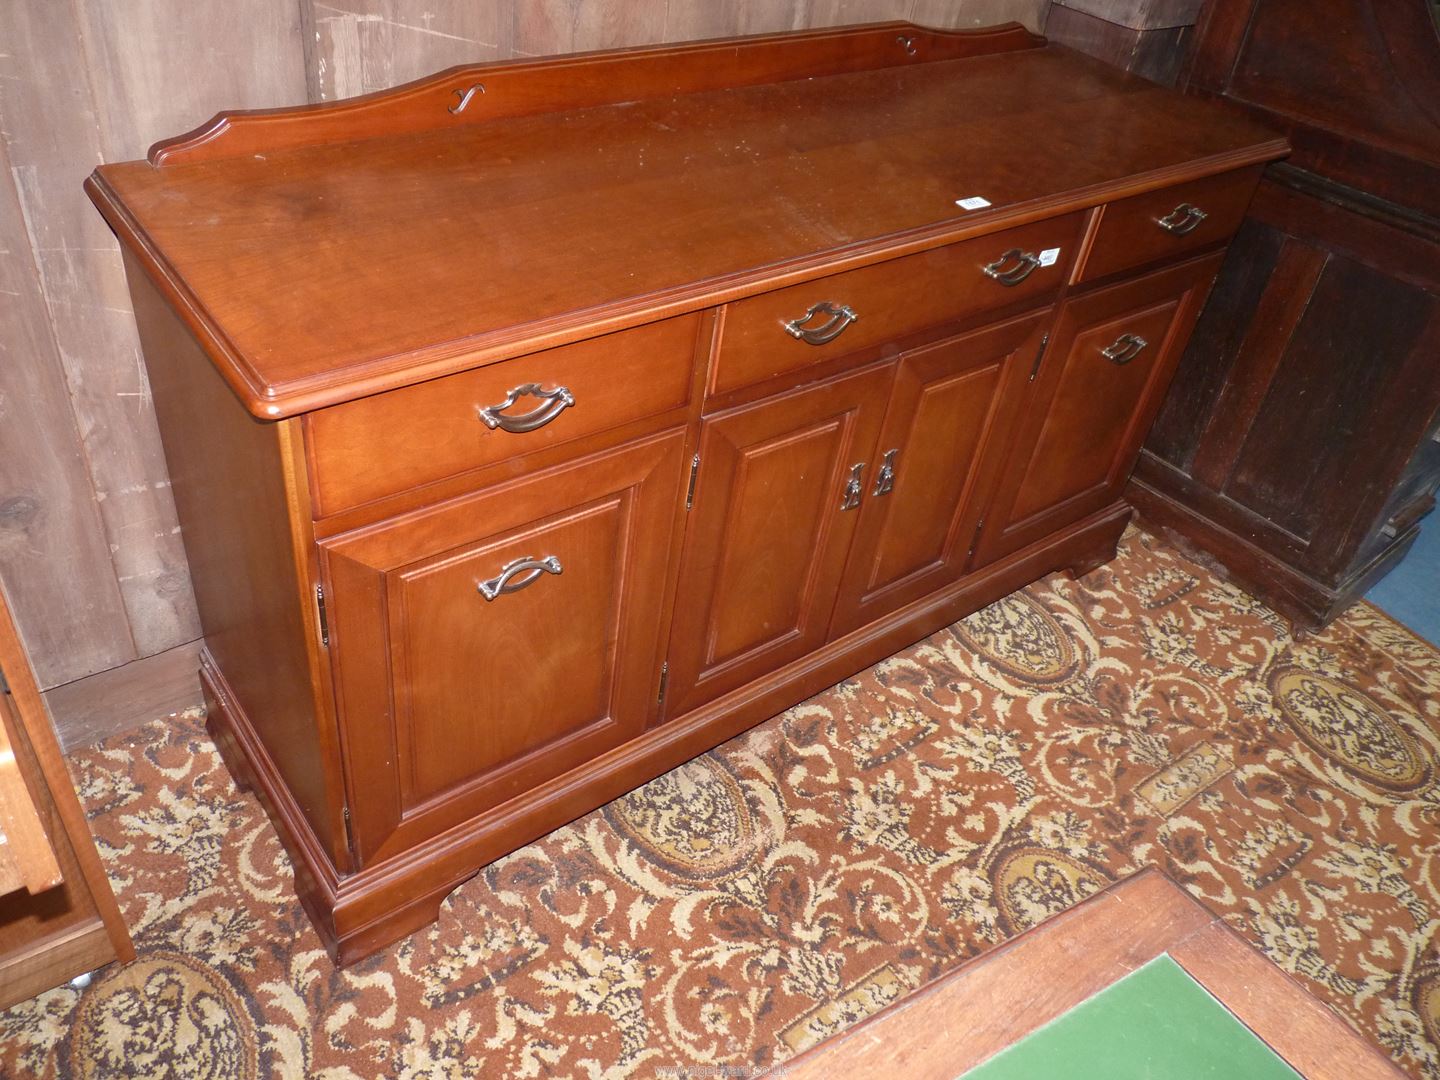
column 228, row 472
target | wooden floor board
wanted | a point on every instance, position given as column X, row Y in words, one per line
column 92, row 709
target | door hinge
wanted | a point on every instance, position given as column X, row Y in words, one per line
column 1039, row 355
column 975, row 540
column 694, row 472
column 664, row 682
column 349, row 833
column 324, row 617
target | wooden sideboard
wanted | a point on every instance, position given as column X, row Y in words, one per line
column 537, row 426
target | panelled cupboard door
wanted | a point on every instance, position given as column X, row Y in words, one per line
column 775, row 506
column 952, row 406
column 488, row 644
column 1101, row 381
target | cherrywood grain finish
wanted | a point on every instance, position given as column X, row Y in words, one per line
column 236, row 492
column 770, row 530
column 74, row 925
column 1074, row 452
column 320, row 274
column 890, row 300
column 580, row 82
column 478, row 713
column 1017, row 988
column 1131, row 235
column 356, row 914
column 390, row 443
column 951, row 408
column 428, row 640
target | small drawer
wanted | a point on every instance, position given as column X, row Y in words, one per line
column 795, row 328
column 378, row 446
column 1170, row 222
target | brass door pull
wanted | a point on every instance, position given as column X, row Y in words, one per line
column 841, row 316
column 885, row 480
column 555, row 401
column 1124, row 349
column 1025, row 264
column 508, row 580
column 1183, row 219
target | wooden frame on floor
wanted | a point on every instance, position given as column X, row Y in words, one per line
column 52, row 935
column 966, row 1017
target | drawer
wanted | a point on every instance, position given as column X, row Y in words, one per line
column 769, row 335
column 367, row 449
column 1170, row 222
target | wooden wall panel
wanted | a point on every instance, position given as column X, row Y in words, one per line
column 545, row 27
column 52, row 542
column 356, row 46
column 160, row 67
column 52, row 135
column 841, row 12
column 88, row 541
column 971, row 13
column 688, row 20
column 84, row 83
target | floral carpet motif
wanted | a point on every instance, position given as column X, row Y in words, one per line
column 762, row 897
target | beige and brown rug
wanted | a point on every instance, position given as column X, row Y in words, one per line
column 762, row 897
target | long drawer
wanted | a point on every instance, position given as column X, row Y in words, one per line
column 794, row 328
column 378, row 446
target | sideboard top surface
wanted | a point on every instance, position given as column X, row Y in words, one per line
column 314, row 274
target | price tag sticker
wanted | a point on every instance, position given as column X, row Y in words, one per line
column 974, row 202
column 1049, row 257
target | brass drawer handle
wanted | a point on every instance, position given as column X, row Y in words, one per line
column 1183, row 219
column 555, row 402
column 1025, row 264
column 508, row 581
column 840, row 317
column 850, row 499
column 1124, row 349
column 885, row 481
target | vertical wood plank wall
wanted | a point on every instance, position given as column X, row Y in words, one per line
column 89, row 546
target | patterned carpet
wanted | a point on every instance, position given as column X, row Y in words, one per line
column 765, row 895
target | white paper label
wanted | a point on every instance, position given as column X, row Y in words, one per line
column 1049, row 256
column 974, row 202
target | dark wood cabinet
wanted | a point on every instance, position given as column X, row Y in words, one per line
column 481, row 545
column 1100, row 382
column 1298, row 443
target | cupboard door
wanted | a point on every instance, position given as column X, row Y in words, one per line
column 1101, row 382
column 488, row 644
column 773, row 514
column 952, row 407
